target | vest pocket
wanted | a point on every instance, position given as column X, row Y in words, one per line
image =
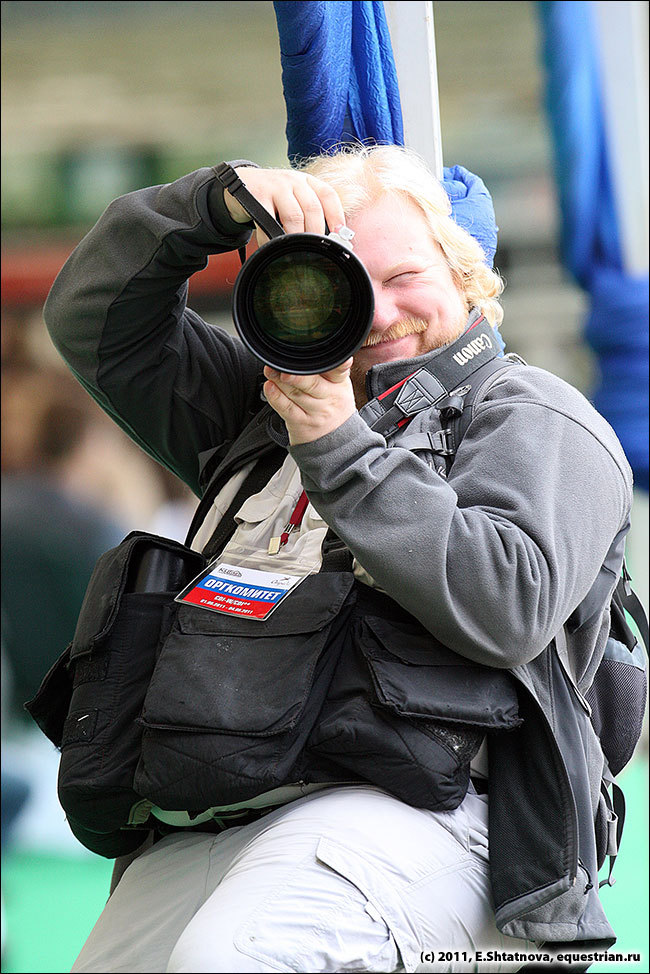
column 408, row 714
column 232, row 701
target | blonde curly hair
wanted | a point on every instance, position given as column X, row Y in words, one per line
column 361, row 174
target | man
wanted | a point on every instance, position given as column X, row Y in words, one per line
column 488, row 563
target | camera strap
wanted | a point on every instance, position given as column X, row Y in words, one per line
column 443, row 378
column 229, row 179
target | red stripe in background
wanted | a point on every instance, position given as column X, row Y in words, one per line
column 28, row 273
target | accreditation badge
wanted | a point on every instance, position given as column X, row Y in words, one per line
column 239, row 591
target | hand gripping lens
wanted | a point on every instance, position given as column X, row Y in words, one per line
column 302, row 303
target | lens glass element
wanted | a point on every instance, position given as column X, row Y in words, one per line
column 301, row 298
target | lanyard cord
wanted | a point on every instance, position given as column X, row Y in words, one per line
column 296, row 518
column 292, row 525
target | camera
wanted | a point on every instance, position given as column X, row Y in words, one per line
column 303, row 302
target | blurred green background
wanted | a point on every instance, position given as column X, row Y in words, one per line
column 102, row 98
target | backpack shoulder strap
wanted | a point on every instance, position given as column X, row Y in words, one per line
column 459, row 414
column 256, row 479
column 456, row 411
column 253, row 444
column 631, row 603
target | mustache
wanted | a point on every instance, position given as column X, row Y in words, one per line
column 402, row 328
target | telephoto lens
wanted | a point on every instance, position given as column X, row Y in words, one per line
column 303, row 303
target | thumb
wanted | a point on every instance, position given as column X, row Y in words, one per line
column 340, row 374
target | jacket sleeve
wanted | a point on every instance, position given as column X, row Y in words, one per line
column 494, row 560
column 117, row 314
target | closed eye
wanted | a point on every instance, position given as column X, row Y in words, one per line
column 402, row 276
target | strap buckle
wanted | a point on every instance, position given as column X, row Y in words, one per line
column 419, row 391
column 442, row 443
column 228, row 177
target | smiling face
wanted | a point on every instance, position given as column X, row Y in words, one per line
column 418, row 306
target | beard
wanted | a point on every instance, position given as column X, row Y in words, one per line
column 406, row 326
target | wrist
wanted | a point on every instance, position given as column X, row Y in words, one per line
column 224, row 209
column 235, row 210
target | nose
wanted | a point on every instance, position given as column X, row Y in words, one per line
column 386, row 311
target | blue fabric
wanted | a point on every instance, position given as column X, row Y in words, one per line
column 617, row 330
column 338, row 75
column 617, row 324
column 471, row 208
column 340, row 84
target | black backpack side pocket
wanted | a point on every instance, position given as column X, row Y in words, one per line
column 89, row 702
column 617, row 698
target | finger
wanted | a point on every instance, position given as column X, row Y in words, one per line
column 299, row 387
column 286, row 407
column 288, row 209
column 313, row 386
column 311, row 207
column 280, row 203
column 340, row 374
column 330, row 202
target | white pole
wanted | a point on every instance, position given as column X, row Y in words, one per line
column 622, row 36
column 410, row 23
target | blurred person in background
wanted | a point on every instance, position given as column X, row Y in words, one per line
column 172, row 517
column 58, row 516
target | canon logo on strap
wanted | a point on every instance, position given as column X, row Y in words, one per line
column 473, row 348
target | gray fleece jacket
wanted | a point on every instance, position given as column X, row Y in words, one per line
column 492, row 560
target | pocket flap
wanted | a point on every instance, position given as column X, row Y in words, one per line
column 415, row 675
column 233, row 676
column 258, row 507
column 108, row 583
column 310, row 607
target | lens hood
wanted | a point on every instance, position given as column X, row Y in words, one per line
column 303, row 303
